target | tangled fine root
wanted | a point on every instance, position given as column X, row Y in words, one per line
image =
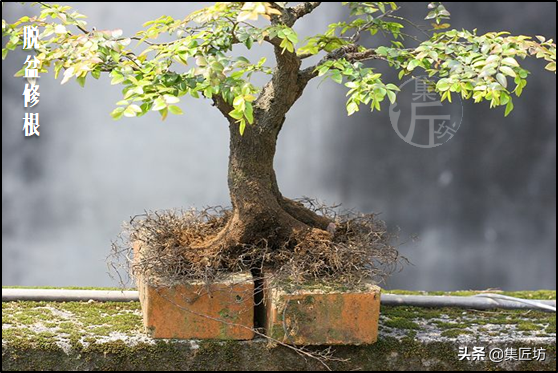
column 171, row 249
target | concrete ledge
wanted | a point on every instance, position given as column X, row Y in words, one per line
column 387, row 354
column 109, row 336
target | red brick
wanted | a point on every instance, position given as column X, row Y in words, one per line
column 223, row 310
column 322, row 315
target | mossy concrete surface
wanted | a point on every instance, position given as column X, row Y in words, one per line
column 109, row 336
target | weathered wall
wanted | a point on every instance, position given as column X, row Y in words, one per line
column 483, row 205
column 110, row 336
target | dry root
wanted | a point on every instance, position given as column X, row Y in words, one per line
column 357, row 248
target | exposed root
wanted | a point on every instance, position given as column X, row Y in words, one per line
column 174, row 248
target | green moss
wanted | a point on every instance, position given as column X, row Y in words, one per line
column 68, row 322
column 15, row 334
column 309, row 300
column 454, row 333
column 387, row 354
column 411, row 334
column 551, row 328
column 452, row 318
column 227, row 316
column 402, row 323
column 330, row 287
column 525, row 326
column 422, row 313
column 449, row 325
column 33, row 315
column 77, row 322
column 277, row 332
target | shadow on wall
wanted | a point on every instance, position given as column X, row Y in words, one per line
column 484, row 204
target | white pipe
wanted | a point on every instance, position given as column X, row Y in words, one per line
column 479, row 302
column 536, row 303
column 487, row 301
column 62, row 295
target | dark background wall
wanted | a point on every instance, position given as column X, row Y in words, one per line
column 483, row 205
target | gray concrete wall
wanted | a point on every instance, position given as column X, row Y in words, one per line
column 483, row 205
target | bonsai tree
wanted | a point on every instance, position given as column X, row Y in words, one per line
column 204, row 61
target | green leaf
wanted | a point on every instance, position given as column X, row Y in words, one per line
column 57, row 69
column 352, row 108
column 236, row 114
column 96, row 73
column 287, row 45
column 242, row 127
column 510, row 62
column 249, row 113
column 169, row 99
column 164, row 113
column 443, row 85
column 144, row 109
column 337, row 77
column 322, row 70
column 117, row 113
column 551, row 66
column 115, row 55
column 159, row 104
column 4, row 53
column 132, row 111
column 175, row 110
column 413, row 64
column 501, row 78
column 243, row 60
column 117, row 78
column 292, row 37
column 382, row 51
column 508, row 71
column 81, row 81
column 239, row 103
column 249, row 42
column 509, row 108
column 20, row 73
column 392, row 96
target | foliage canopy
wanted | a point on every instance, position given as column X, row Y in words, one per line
column 199, row 60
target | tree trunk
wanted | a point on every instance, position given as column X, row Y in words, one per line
column 260, row 212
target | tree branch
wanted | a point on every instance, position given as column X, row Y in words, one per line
column 348, row 52
column 289, row 16
column 80, row 28
column 303, row 9
column 356, row 37
column 223, row 106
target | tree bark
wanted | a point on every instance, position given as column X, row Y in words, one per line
column 260, row 212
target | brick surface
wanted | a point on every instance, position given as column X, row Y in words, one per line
column 224, row 310
column 322, row 315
